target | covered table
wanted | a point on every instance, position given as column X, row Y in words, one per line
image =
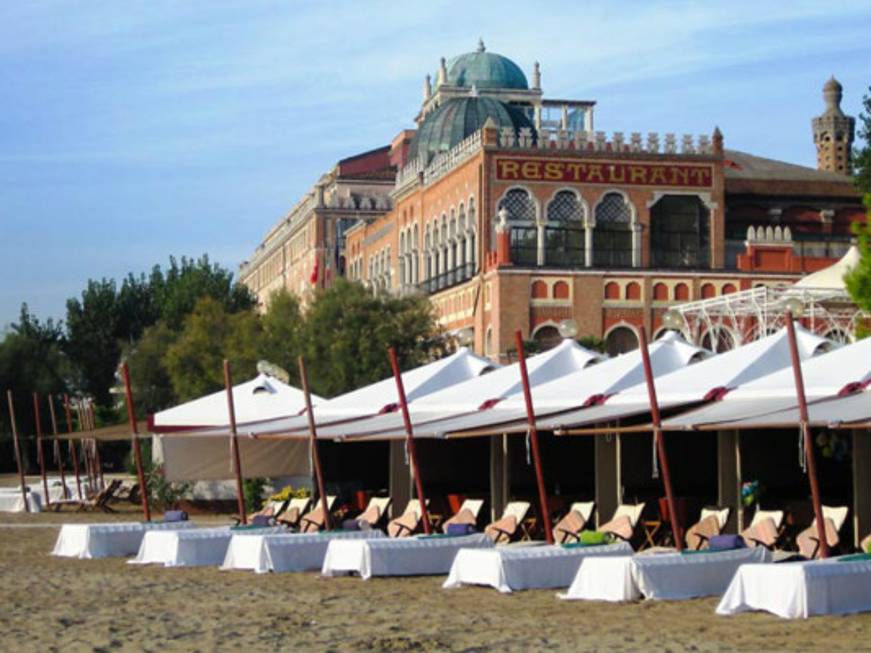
column 660, row 576
column 801, row 589
column 189, row 548
column 285, row 551
column 12, row 501
column 511, row 568
column 107, row 540
column 421, row 555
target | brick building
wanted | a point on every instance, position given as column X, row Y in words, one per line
column 511, row 212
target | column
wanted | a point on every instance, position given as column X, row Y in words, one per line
column 861, row 485
column 540, row 245
column 636, row 245
column 608, row 480
column 729, row 478
column 499, row 486
column 400, row 478
column 588, row 245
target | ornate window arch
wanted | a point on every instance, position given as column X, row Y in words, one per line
column 565, row 226
column 621, row 338
column 613, row 232
column 522, row 214
column 680, row 232
column 472, row 226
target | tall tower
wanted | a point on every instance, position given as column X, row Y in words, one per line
column 833, row 132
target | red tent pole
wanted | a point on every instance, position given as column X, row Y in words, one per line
column 806, row 437
column 72, row 445
column 58, row 454
column 409, row 440
column 99, row 464
column 234, row 443
column 17, row 450
column 313, row 436
column 659, row 440
column 40, row 452
column 533, row 438
column 134, row 436
column 86, row 456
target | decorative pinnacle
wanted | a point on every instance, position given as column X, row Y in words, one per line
column 481, row 47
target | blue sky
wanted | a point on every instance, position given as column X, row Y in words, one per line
column 130, row 131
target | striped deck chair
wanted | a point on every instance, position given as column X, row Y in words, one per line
column 808, row 540
column 712, row 521
column 374, row 514
column 624, row 521
column 408, row 522
column 568, row 529
column 314, row 520
column 509, row 527
column 766, row 529
column 294, row 510
column 467, row 514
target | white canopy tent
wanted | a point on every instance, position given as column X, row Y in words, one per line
column 571, row 391
column 476, row 394
column 208, row 458
column 840, row 371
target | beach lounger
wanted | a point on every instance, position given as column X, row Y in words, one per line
column 509, row 527
column 765, row 529
column 467, row 514
column 96, row 502
column 711, row 522
column 865, row 545
column 293, row 512
column 408, row 522
column 314, row 520
column 808, row 540
column 568, row 529
column 624, row 521
column 268, row 513
column 375, row 512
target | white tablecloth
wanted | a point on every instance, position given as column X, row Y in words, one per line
column 14, row 502
column 285, row 551
column 510, row 568
column 195, row 547
column 660, row 576
column 405, row 556
column 106, row 540
column 800, row 589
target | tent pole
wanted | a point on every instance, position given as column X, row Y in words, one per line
column 134, row 437
column 533, row 438
column 86, row 456
column 409, row 440
column 17, row 450
column 97, row 462
column 659, row 440
column 72, row 446
column 313, row 438
column 40, row 451
column 234, row 443
column 804, row 427
column 58, row 454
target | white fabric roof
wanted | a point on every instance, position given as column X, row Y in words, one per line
column 566, row 358
column 569, row 391
column 831, row 277
column 824, row 377
column 263, row 397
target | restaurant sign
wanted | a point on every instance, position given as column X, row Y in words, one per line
column 632, row 174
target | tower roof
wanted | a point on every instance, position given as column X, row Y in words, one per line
column 484, row 69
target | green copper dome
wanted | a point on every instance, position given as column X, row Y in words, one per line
column 458, row 119
column 485, row 70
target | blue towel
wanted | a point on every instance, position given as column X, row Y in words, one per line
column 174, row 516
column 455, row 530
column 726, row 542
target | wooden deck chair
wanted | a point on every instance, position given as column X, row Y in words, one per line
column 712, row 521
column 268, row 513
column 408, row 522
column 96, row 502
column 293, row 511
column 568, row 529
column 509, row 527
column 467, row 514
column 314, row 520
column 765, row 529
column 808, row 540
column 374, row 514
column 624, row 521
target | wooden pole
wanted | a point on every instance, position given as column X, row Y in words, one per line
column 533, row 438
column 97, row 462
column 659, row 441
column 234, row 443
column 17, row 448
column 134, row 436
column 86, row 449
column 40, row 451
column 72, row 446
column 409, row 441
column 58, row 453
column 313, row 439
column 804, row 427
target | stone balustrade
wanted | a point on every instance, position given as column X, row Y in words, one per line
column 769, row 234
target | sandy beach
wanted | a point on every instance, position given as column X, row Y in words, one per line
column 52, row 604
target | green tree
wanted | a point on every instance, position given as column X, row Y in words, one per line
column 858, row 280
column 283, row 333
column 862, row 153
column 152, row 388
column 194, row 362
column 347, row 331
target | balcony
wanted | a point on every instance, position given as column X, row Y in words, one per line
column 447, row 279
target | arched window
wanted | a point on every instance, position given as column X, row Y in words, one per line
column 620, row 340
column 564, row 233
column 718, row 340
column 680, row 233
column 521, row 220
column 612, row 236
column 472, row 223
column 547, row 337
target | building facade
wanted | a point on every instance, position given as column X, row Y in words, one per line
column 511, row 212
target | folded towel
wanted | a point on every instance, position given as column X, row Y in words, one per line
column 726, row 542
column 174, row 516
column 459, row 529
